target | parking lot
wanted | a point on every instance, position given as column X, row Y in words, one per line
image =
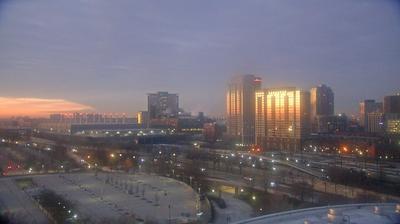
column 114, row 196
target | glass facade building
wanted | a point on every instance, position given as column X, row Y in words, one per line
column 240, row 105
column 322, row 104
column 282, row 118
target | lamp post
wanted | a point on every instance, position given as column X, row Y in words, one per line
column 169, row 213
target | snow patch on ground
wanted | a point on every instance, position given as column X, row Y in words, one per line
column 235, row 210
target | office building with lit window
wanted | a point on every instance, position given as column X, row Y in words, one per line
column 282, row 118
column 366, row 107
column 392, row 123
column 391, row 107
column 240, row 106
column 375, row 122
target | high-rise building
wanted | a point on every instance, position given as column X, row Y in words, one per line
column 260, row 117
column 143, row 119
column 282, row 118
column 392, row 123
column 240, row 101
column 332, row 123
column 321, row 104
column 322, row 100
column 375, row 122
column 391, row 104
column 162, row 105
column 366, row 107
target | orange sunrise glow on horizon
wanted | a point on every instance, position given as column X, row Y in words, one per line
column 37, row 107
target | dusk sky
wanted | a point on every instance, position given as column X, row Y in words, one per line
column 106, row 55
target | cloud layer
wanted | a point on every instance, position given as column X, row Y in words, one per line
column 37, row 107
column 109, row 54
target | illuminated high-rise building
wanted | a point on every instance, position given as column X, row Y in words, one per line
column 282, row 118
column 392, row 123
column 391, row 107
column 260, row 117
column 162, row 105
column 322, row 104
column 366, row 107
column 143, row 119
column 240, row 102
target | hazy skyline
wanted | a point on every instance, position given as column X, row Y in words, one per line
column 107, row 55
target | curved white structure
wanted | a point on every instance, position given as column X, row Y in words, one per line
column 368, row 213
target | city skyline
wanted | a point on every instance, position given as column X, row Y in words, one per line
column 165, row 48
column 41, row 107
